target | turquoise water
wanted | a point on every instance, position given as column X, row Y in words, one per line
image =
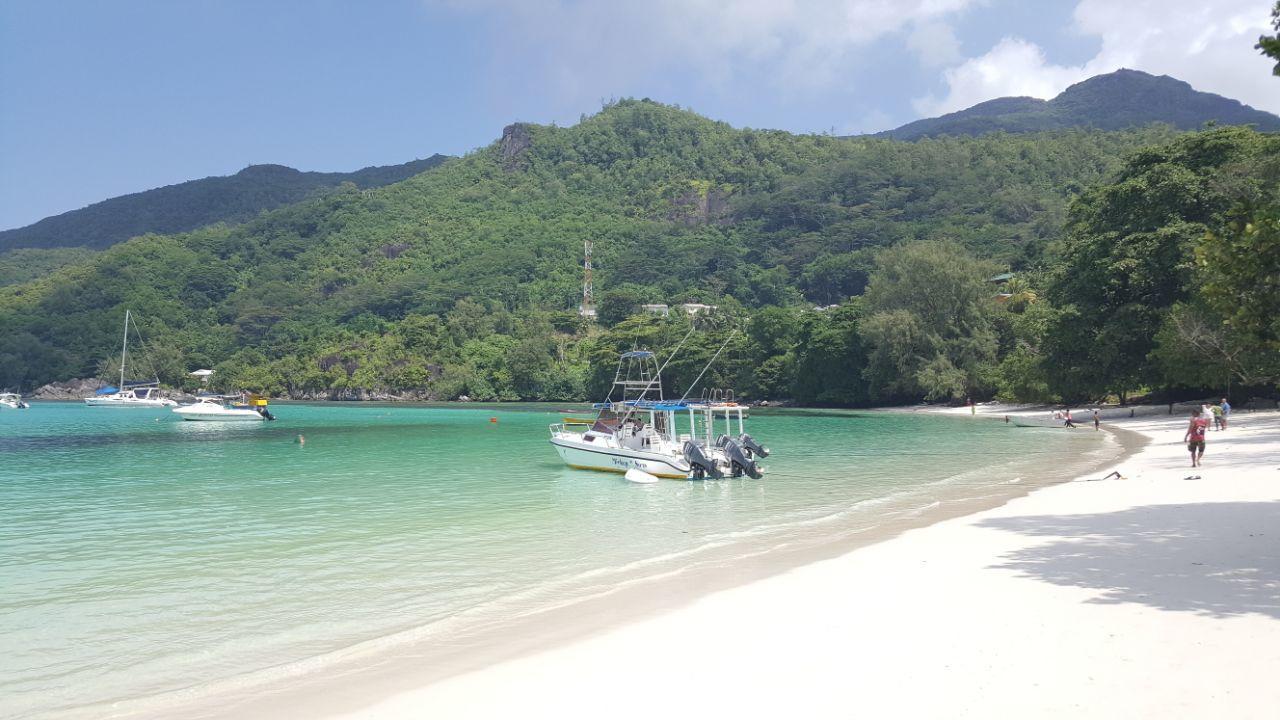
column 140, row 555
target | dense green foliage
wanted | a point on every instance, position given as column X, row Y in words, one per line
column 24, row 264
column 1117, row 100
column 1129, row 258
column 465, row 281
column 193, row 204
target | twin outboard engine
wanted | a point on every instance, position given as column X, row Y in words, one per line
column 753, row 448
column 702, row 465
column 739, row 461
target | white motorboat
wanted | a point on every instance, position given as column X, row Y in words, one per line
column 131, row 393
column 13, row 401
column 643, row 431
column 221, row 408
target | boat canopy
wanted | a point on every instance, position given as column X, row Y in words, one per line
column 648, row 405
column 108, row 390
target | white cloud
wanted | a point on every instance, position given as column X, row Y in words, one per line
column 587, row 48
column 1012, row 68
column 1209, row 45
column 935, row 44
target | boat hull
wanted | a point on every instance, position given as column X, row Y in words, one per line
column 128, row 403
column 620, row 460
column 197, row 415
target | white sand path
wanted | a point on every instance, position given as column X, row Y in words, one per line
column 1149, row 597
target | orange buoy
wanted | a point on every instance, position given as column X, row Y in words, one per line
column 493, row 419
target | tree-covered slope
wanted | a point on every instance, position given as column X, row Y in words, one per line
column 465, row 280
column 1115, row 101
column 193, row 204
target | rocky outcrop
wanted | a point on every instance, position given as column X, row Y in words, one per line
column 516, row 138
column 703, row 204
column 68, row 389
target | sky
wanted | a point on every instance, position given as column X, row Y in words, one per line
column 100, row 99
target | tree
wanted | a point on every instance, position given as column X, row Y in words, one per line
column 617, row 305
column 1269, row 45
column 1129, row 256
column 830, row 358
column 929, row 323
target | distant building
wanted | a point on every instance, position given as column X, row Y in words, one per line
column 657, row 309
column 698, row 308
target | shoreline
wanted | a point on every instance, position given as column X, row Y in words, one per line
column 400, row 663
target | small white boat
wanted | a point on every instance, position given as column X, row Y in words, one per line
column 639, row 433
column 13, row 401
column 132, row 393
column 220, row 408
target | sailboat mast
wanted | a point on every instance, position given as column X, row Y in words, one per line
column 124, row 348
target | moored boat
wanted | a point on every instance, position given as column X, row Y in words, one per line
column 664, row 438
column 223, row 408
column 13, row 401
column 130, row 393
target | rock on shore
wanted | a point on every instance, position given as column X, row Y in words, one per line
column 68, row 389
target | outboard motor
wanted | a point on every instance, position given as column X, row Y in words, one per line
column 739, row 461
column 753, row 448
column 266, row 413
column 702, row 465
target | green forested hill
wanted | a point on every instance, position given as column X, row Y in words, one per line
column 465, row 280
column 1114, row 101
column 193, row 204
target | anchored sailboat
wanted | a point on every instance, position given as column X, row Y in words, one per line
column 130, row 393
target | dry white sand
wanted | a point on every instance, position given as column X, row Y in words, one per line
column 1153, row 596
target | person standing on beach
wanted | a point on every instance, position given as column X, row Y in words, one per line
column 1216, row 412
column 1194, row 437
column 1226, row 412
column 1097, row 421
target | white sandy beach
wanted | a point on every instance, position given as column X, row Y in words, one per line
column 1152, row 596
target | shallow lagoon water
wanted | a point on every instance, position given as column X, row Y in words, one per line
column 140, row 555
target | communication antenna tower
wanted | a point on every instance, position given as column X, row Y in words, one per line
column 588, row 308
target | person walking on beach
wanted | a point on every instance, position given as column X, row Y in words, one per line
column 1097, row 421
column 1226, row 412
column 1216, row 412
column 1194, row 437
column 1067, row 422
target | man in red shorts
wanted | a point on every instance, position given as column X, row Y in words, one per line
column 1194, row 438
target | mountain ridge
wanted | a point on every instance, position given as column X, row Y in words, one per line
column 1112, row 101
column 188, row 205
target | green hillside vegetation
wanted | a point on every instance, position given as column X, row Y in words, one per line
column 25, row 264
column 465, row 280
column 1114, row 101
column 189, row 205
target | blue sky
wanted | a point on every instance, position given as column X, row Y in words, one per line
column 99, row 99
